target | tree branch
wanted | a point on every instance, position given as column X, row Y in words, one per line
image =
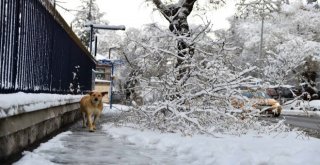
column 162, row 8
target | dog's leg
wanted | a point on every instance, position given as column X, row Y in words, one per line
column 90, row 122
column 95, row 120
column 84, row 125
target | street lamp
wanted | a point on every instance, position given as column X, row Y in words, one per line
column 112, row 48
column 112, row 76
column 103, row 27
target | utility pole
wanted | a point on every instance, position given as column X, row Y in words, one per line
column 262, row 15
column 261, row 37
column 91, row 29
column 95, row 45
column 89, row 15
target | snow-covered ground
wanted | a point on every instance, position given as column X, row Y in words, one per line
column 251, row 149
column 302, row 108
column 16, row 103
column 300, row 112
column 225, row 150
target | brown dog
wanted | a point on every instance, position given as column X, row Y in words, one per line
column 91, row 105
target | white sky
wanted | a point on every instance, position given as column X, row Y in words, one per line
column 131, row 13
column 135, row 13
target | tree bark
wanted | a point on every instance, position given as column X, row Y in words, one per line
column 177, row 14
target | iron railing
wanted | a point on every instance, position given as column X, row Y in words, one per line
column 39, row 52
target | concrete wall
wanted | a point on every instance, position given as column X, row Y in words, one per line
column 20, row 131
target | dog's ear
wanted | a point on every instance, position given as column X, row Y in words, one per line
column 91, row 92
column 104, row 93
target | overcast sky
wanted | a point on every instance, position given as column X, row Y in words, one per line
column 131, row 13
column 135, row 13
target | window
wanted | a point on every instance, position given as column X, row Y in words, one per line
column 100, row 73
column 103, row 73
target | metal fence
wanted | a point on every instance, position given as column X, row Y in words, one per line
column 39, row 52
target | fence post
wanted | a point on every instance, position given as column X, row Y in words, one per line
column 36, row 49
column 111, row 83
column 15, row 44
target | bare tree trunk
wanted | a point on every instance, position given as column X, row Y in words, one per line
column 261, row 40
column 311, row 1
column 177, row 15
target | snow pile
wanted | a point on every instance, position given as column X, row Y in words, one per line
column 116, row 108
column 289, row 148
column 101, row 57
column 16, row 103
column 102, row 81
column 37, row 157
column 302, row 108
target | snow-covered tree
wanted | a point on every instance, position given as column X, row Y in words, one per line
column 86, row 14
column 106, row 40
column 315, row 3
column 261, row 9
column 181, row 80
column 133, row 50
column 199, row 101
column 176, row 13
column 290, row 40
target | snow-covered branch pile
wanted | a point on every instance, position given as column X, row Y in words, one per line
column 197, row 101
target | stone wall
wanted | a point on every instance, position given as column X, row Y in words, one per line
column 20, row 131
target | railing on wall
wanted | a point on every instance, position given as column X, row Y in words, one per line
column 39, row 52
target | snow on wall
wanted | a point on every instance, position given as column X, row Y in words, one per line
column 17, row 103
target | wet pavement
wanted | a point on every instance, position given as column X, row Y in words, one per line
column 99, row 148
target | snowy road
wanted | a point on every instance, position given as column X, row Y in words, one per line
column 308, row 122
column 304, row 122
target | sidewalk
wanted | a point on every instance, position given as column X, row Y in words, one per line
column 79, row 146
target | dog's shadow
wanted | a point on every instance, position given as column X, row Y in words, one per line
column 104, row 118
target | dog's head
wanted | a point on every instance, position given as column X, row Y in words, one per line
column 96, row 97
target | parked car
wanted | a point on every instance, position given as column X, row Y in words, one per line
column 258, row 100
column 295, row 105
column 283, row 93
column 313, row 105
